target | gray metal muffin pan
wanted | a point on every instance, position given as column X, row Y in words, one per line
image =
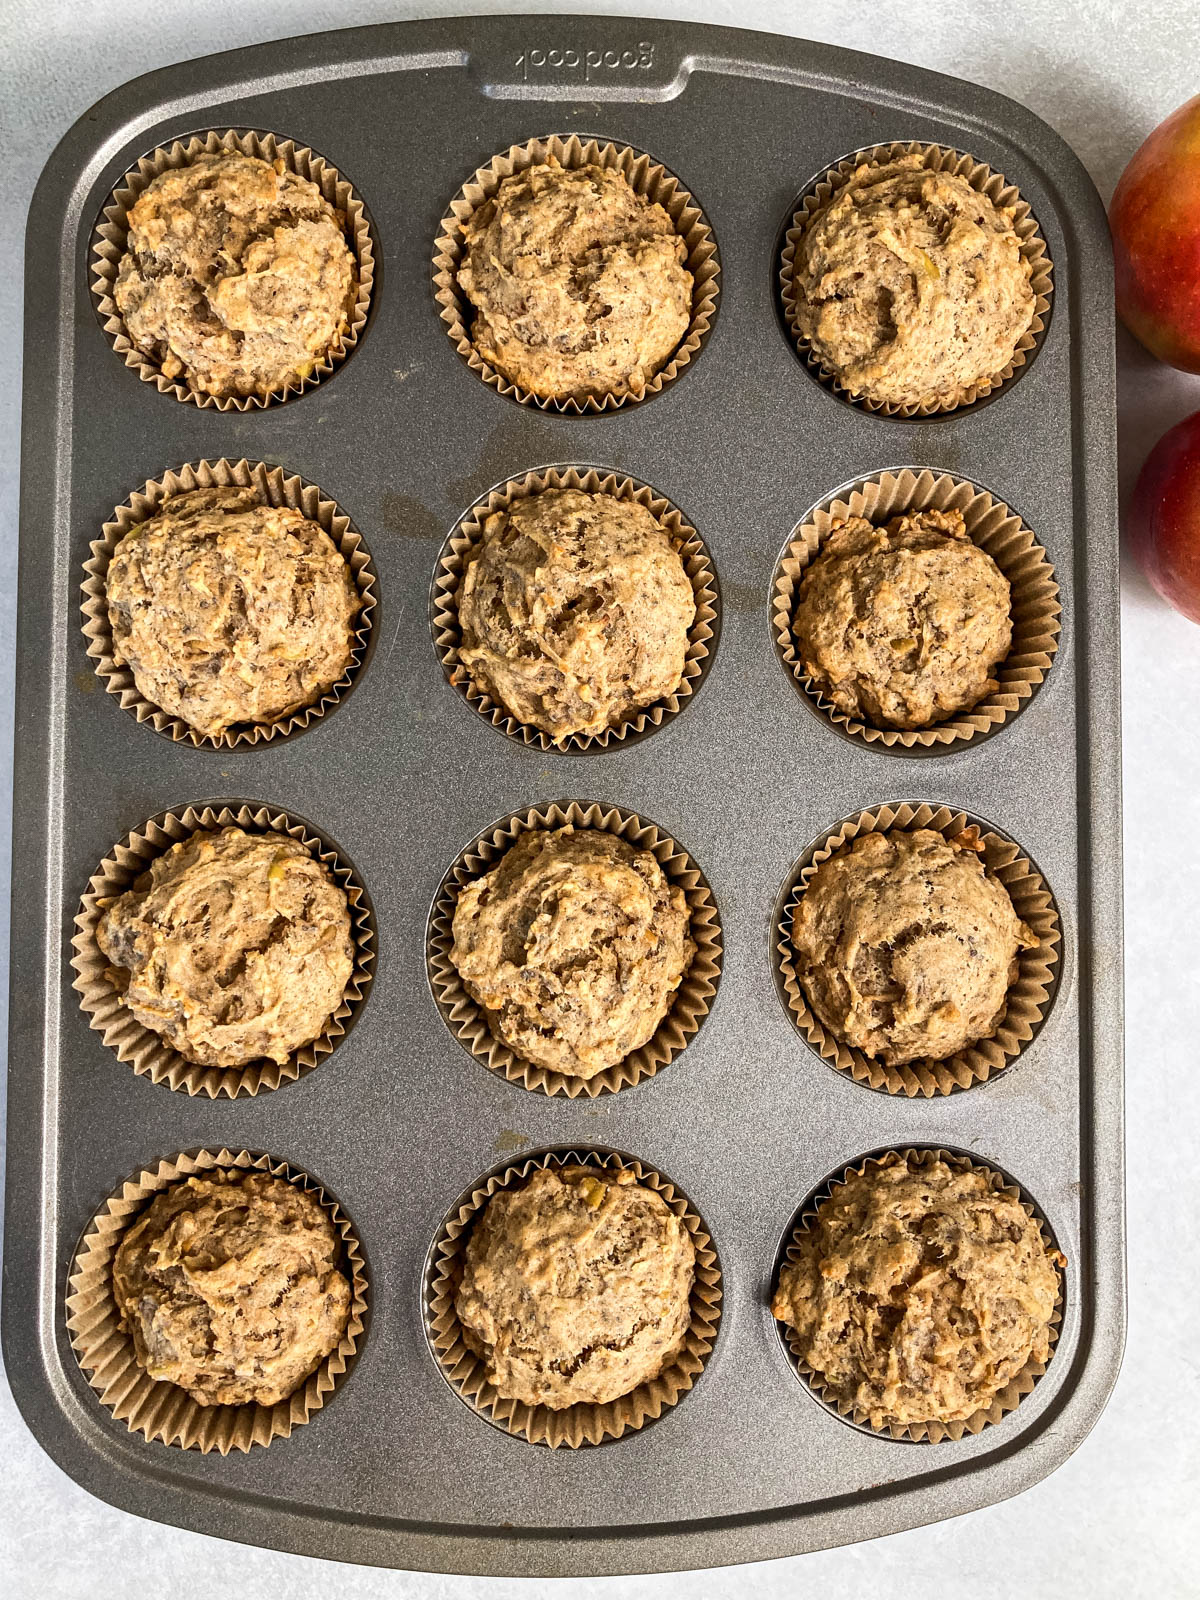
column 400, row 1119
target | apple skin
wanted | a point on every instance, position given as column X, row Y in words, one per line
column 1155, row 222
column 1164, row 517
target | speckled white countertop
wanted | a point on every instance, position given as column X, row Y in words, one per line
column 1122, row 1517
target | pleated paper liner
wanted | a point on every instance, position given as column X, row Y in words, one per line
column 463, row 544
column 112, row 232
column 1029, row 997
column 105, row 1350
column 931, row 1432
column 645, row 177
column 980, row 177
column 1036, row 611
column 148, row 1053
column 467, row 1019
column 274, row 488
column 581, row 1424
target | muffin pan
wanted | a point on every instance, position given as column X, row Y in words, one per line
column 400, row 1120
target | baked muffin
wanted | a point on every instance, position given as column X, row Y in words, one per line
column 576, row 1287
column 918, row 1293
column 574, row 945
column 575, row 611
column 906, row 945
column 237, row 278
column 904, row 625
column 910, row 284
column 578, row 282
column 230, row 1286
column 234, row 947
column 228, row 612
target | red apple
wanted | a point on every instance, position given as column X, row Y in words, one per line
column 1155, row 220
column 1164, row 517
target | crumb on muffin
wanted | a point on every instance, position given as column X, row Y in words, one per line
column 918, row 1292
column 579, row 283
column 574, row 944
column 234, row 946
column 575, row 610
column 231, row 1287
column 237, row 278
column 228, row 612
column 576, row 1287
column 904, row 625
column 910, row 284
column 906, row 945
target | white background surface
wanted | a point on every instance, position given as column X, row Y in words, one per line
column 1122, row 1517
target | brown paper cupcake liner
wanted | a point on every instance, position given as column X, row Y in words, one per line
column 1029, row 997
column 275, row 488
column 467, row 1019
column 697, row 563
column 148, row 1053
column 112, row 231
column 581, row 1424
column 647, row 178
column 105, row 1350
column 980, row 177
column 1036, row 611
column 920, row 1432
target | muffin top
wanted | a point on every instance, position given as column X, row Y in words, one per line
column 231, row 1288
column 237, row 277
column 576, row 1287
column 919, row 1293
column 578, row 282
column 575, row 611
column 910, row 284
column 574, row 944
column 230, row 612
column 906, row 945
column 903, row 625
column 233, row 946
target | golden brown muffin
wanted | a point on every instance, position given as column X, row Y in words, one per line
column 906, row 945
column 575, row 611
column 229, row 612
column 910, row 284
column 574, row 944
column 231, row 1288
column 919, row 1293
column 903, row 625
column 578, row 282
column 237, row 277
column 576, row 1287
column 233, row 946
